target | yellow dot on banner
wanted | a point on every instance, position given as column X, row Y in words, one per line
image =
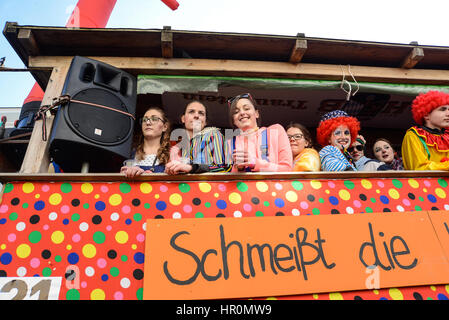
column 23, row 251
column 344, row 194
column 69, row 247
column 393, row 193
column 327, row 191
column 121, row 237
column 315, row 184
column 396, row 294
column 175, row 199
column 156, row 196
column 216, row 195
column 375, row 291
column 97, row 294
column 315, row 296
column 366, row 184
column 413, row 183
column 89, row 250
column 273, row 194
column 3, row 246
column 440, row 193
column 115, row 199
column 57, row 237
column 28, row 187
column 447, row 288
column 87, row 188
column 291, row 196
column 433, row 288
column 262, row 186
column 335, row 296
column 134, row 246
column 377, row 191
column 145, row 187
column 37, row 196
column 424, row 190
column 97, row 196
column 204, row 187
column 55, row 199
column 235, row 198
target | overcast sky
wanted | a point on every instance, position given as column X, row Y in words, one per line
column 393, row 21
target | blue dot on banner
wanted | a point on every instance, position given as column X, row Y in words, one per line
column 333, row 200
column 104, row 277
column 161, row 205
column 100, row 205
column 2, row 221
column 128, row 221
column 384, row 199
column 73, row 258
column 442, row 297
column 6, row 258
column 139, row 257
column 431, row 198
column 221, row 204
column 65, row 222
column 279, row 203
column 39, row 205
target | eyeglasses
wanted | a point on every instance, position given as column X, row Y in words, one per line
column 152, row 119
column 240, row 96
column 295, row 137
column 358, row 148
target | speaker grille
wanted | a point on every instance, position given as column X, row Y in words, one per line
column 96, row 124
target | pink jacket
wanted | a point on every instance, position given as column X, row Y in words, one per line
column 279, row 150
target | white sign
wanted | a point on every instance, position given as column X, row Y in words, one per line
column 30, row 288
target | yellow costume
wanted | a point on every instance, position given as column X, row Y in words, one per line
column 424, row 150
column 307, row 160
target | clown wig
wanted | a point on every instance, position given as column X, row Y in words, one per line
column 425, row 103
column 331, row 121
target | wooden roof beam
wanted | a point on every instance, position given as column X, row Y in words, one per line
column 167, row 42
column 299, row 48
column 26, row 38
column 413, row 57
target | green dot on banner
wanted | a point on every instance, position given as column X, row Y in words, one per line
column 421, row 198
column 13, row 216
column 72, row 294
column 316, row 211
column 8, row 187
column 139, row 294
column 259, row 214
column 99, row 237
column 75, row 217
column 46, row 272
column 242, row 186
column 86, row 206
column 266, row 203
column 372, row 200
column 35, row 237
column 397, row 183
column 114, row 271
column 297, row 185
column 207, row 204
column 368, row 209
column 442, row 182
column 184, row 187
column 321, row 200
column 125, row 187
column 66, row 188
column 137, row 217
column 25, row 205
column 146, row 206
column 418, row 208
column 349, row 184
column 199, row 215
column 124, row 258
column 58, row 258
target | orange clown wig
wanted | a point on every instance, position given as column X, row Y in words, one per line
column 425, row 103
column 331, row 121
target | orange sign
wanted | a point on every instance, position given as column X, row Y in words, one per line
column 272, row 256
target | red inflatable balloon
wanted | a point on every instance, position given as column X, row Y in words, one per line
column 172, row 4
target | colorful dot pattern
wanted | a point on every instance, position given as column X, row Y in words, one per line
column 95, row 232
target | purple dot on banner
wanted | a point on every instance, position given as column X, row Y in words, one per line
column 12, row 237
column 45, row 188
column 104, row 189
column 3, row 208
column 304, row 205
column 101, row 263
column 331, row 184
column 247, row 207
column 65, row 209
column 187, row 208
column 163, row 188
column 406, row 202
column 126, row 209
column 35, row 263
column 357, row 204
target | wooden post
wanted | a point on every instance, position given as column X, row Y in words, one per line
column 167, row 42
column 36, row 158
column 299, row 49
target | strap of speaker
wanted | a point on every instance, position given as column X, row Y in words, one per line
column 64, row 99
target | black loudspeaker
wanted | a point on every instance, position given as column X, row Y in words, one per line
column 84, row 133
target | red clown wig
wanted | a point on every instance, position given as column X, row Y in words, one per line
column 425, row 103
column 331, row 121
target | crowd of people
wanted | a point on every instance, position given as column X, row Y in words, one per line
column 254, row 148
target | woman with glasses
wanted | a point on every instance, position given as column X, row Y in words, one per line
column 256, row 148
column 384, row 151
column 335, row 133
column 305, row 158
column 153, row 148
column 202, row 149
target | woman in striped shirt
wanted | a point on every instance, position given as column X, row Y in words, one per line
column 202, row 149
column 335, row 132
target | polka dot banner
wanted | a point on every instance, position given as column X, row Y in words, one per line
column 95, row 232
